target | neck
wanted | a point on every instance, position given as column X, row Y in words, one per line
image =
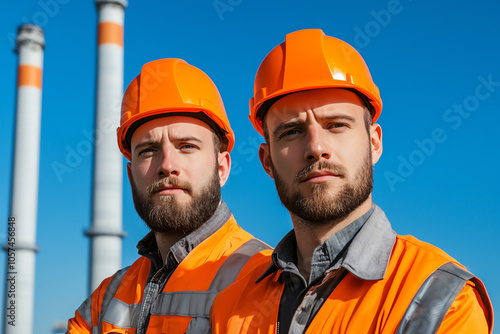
column 165, row 240
column 311, row 235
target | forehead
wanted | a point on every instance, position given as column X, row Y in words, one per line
column 175, row 125
column 323, row 102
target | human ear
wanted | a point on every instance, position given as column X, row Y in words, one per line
column 376, row 142
column 265, row 159
column 129, row 172
column 224, row 163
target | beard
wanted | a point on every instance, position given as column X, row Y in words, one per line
column 169, row 215
column 321, row 208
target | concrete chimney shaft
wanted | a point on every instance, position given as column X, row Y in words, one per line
column 21, row 231
column 106, row 230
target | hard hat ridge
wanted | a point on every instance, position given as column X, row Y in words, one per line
column 309, row 59
column 169, row 87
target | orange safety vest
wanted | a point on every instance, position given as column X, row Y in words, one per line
column 118, row 304
column 423, row 291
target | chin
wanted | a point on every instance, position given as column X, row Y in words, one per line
column 178, row 199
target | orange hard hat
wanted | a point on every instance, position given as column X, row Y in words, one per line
column 309, row 59
column 172, row 86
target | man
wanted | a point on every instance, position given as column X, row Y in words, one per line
column 342, row 269
column 175, row 132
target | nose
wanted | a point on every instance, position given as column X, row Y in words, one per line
column 168, row 164
column 318, row 144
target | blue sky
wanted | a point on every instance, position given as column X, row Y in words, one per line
column 437, row 178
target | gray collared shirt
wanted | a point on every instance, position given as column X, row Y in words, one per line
column 160, row 273
column 147, row 246
column 363, row 248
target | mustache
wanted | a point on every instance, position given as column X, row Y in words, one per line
column 167, row 181
column 320, row 165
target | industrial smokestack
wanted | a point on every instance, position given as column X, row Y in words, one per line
column 21, row 230
column 106, row 230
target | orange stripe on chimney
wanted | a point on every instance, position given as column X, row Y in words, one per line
column 109, row 32
column 29, row 75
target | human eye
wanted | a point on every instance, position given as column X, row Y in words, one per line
column 188, row 147
column 146, row 151
column 338, row 126
column 289, row 133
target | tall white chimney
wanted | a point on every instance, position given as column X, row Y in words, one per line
column 21, row 232
column 106, row 230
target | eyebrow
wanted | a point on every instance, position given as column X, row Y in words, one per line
column 181, row 139
column 292, row 124
column 341, row 117
column 144, row 144
column 188, row 138
column 285, row 126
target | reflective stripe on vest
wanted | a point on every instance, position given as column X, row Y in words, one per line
column 184, row 303
column 121, row 314
column 424, row 315
column 432, row 301
column 198, row 303
column 85, row 309
column 195, row 304
column 108, row 297
column 232, row 266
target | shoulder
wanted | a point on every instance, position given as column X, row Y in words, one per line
column 245, row 285
column 243, row 242
column 409, row 246
column 413, row 261
column 464, row 297
column 246, row 281
column 471, row 311
column 139, row 270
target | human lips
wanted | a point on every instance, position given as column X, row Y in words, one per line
column 168, row 186
column 168, row 189
column 318, row 176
